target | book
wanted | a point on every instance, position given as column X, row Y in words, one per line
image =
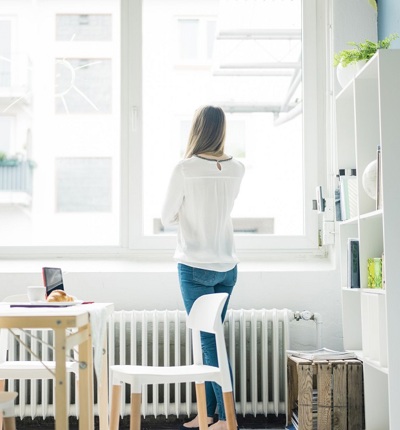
column 338, row 213
column 348, row 196
column 322, row 354
column 353, row 263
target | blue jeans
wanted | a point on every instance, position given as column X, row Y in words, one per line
column 195, row 283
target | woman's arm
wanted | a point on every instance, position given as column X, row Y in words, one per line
column 174, row 198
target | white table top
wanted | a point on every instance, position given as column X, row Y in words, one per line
column 25, row 309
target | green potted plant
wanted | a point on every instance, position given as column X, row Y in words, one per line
column 349, row 61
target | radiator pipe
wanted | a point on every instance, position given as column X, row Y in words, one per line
column 316, row 317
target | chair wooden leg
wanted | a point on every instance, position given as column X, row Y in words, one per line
column 230, row 411
column 115, row 407
column 9, row 423
column 136, row 401
column 201, row 406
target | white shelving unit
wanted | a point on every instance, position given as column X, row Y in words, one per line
column 368, row 115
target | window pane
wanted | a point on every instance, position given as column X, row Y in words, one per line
column 255, row 76
column 65, row 104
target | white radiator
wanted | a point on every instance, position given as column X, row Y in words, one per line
column 256, row 341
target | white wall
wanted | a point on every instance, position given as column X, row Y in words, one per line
column 150, row 285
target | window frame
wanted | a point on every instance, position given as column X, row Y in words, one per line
column 132, row 239
column 132, row 132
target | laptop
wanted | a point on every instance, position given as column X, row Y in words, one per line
column 53, row 279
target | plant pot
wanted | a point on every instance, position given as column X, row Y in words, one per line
column 346, row 74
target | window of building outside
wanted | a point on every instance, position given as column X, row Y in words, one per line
column 93, row 152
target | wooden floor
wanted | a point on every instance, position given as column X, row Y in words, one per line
column 247, row 422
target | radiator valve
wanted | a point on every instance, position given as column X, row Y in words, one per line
column 306, row 315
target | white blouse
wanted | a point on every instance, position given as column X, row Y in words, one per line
column 200, row 200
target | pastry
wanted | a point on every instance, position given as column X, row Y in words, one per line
column 59, row 296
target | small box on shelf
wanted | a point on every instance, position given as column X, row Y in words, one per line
column 375, row 278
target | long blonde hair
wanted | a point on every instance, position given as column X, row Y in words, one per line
column 208, row 131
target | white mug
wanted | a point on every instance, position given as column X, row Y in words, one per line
column 36, row 293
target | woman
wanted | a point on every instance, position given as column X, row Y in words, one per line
column 200, row 198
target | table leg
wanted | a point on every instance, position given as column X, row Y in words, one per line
column 61, row 415
column 86, row 420
column 102, row 390
column 2, row 387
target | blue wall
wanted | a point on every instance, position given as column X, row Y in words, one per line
column 389, row 20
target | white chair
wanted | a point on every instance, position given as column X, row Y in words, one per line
column 26, row 369
column 7, row 409
column 205, row 316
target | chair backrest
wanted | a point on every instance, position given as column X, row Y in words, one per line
column 206, row 312
column 206, row 316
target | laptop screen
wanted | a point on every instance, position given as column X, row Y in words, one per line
column 53, row 279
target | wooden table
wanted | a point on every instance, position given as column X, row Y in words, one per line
column 59, row 319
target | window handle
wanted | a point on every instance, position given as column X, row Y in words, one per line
column 134, row 118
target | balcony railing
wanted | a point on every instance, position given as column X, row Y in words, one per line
column 16, row 181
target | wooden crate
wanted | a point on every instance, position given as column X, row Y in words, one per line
column 328, row 395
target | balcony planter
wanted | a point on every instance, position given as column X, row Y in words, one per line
column 9, row 162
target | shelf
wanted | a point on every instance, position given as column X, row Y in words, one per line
column 350, row 221
column 367, row 115
column 358, row 352
column 373, row 290
column 351, row 290
column 346, row 93
column 375, row 214
column 375, row 364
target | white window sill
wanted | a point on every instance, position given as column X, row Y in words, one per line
column 165, row 264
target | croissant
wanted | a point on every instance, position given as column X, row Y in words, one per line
column 59, row 296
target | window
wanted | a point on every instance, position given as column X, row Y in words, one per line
column 90, row 27
column 252, row 58
column 6, row 131
column 62, row 68
column 103, row 111
column 83, row 184
column 83, row 85
column 196, row 39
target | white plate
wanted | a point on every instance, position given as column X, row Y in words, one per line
column 57, row 304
